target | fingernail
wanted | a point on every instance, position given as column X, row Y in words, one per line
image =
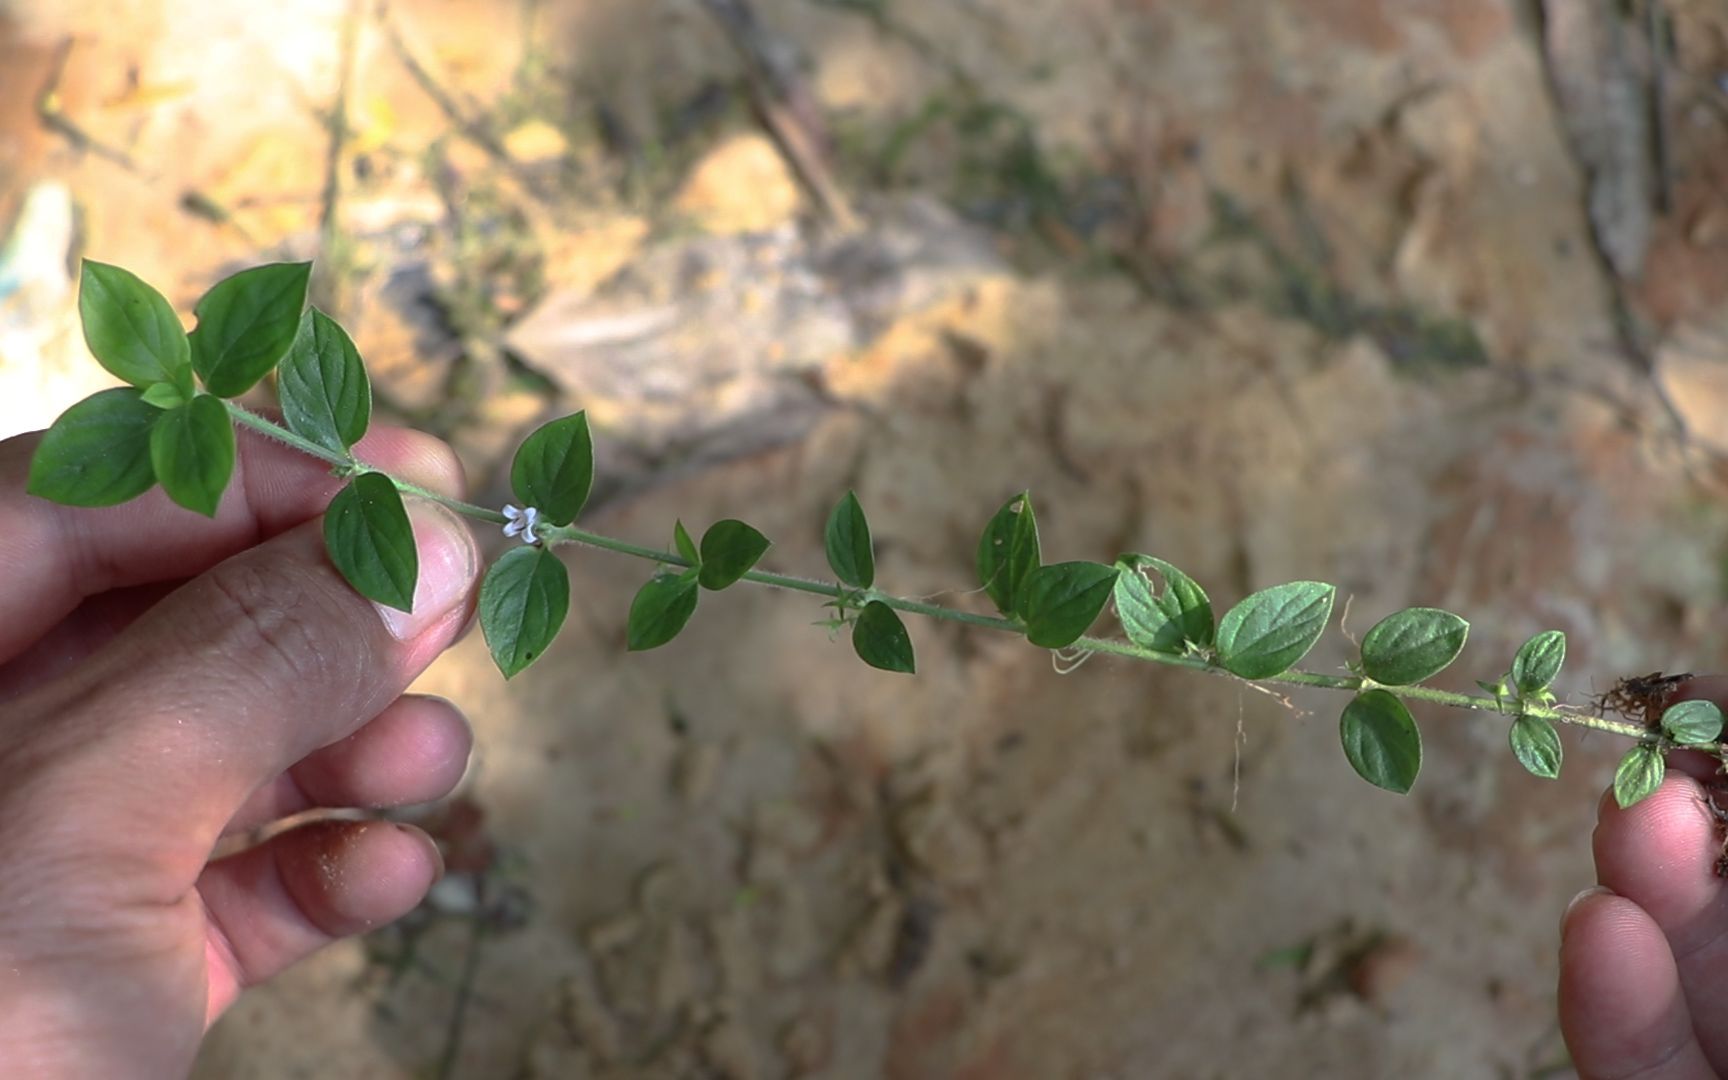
column 448, row 564
column 431, row 845
column 1594, row 890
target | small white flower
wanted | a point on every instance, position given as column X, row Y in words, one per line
column 522, row 523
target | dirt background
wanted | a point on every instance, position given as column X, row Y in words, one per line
column 1428, row 299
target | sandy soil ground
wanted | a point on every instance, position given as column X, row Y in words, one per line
column 1271, row 290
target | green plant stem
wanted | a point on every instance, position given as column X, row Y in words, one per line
column 1507, row 708
column 347, row 463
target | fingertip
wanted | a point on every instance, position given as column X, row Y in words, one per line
column 1661, row 854
column 273, row 905
column 1648, row 840
column 416, row 456
column 346, row 877
column 1621, row 1007
column 415, row 751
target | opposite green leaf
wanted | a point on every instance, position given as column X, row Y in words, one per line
column 847, row 539
column 1266, row 634
column 192, row 452
column 246, row 324
column 1536, row 745
column 131, row 329
column 1142, row 619
column 325, row 394
column 1008, row 552
column 367, row 533
column 661, row 609
column 1168, row 622
column 554, row 469
column 523, row 602
column 1639, row 775
column 1381, row 740
column 729, row 549
column 1060, row 601
column 686, row 546
column 98, row 452
column 880, row 639
column 1693, row 723
column 1538, row 662
column 164, row 395
column 1412, row 645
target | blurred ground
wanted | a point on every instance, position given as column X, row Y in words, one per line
column 1426, row 299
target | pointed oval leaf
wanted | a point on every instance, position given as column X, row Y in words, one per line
column 325, row 394
column 164, row 395
column 1185, row 602
column 1381, row 740
column 523, row 602
column 1166, row 622
column 1412, row 645
column 880, row 639
column 686, row 546
column 369, row 538
column 192, row 452
column 1062, row 600
column 1267, row 633
column 1536, row 745
column 729, row 549
column 246, row 324
column 131, row 328
column 1137, row 610
column 1639, row 775
column 554, row 469
column 1538, row 662
column 1693, row 723
column 1008, row 552
column 98, row 452
column 660, row 610
column 847, row 540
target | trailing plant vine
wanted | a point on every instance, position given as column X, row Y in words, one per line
column 174, row 425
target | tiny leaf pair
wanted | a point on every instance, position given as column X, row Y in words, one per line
column 1057, row 603
column 878, row 636
column 665, row 604
column 526, row 594
column 1690, row 723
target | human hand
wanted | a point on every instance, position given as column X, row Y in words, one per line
column 142, row 720
column 1644, row 955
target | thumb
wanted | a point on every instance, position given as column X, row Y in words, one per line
column 233, row 678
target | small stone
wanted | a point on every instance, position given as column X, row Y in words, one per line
column 536, row 143
column 1382, row 968
column 741, row 186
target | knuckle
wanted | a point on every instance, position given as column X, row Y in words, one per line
column 275, row 622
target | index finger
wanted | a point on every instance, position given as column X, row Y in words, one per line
column 54, row 556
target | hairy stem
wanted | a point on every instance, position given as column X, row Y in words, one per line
column 348, row 463
column 569, row 534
